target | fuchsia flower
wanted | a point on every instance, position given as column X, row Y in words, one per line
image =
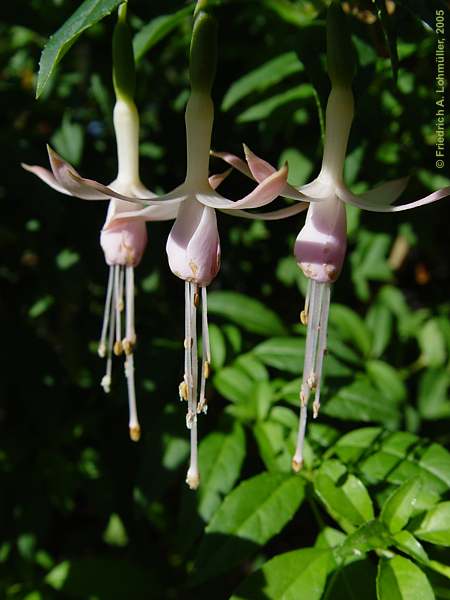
column 193, row 246
column 123, row 242
column 321, row 244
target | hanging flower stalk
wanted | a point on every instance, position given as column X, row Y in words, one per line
column 321, row 244
column 123, row 242
column 193, row 245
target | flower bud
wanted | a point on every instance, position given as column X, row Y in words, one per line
column 124, row 73
column 341, row 59
column 203, row 53
column 321, row 244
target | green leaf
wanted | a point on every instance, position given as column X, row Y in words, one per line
column 233, row 384
column 220, row 457
column 300, row 168
column 433, row 401
column 296, row 14
column 249, row 517
column 399, row 507
column 389, row 30
column 261, row 78
column 435, row 527
column 351, row 327
column 66, row 259
column 218, row 347
column 156, row 30
column 69, row 140
column 89, row 13
column 263, row 109
column 387, row 380
column 252, row 367
column 351, row 446
column 432, row 344
column 115, row 533
column 41, row 306
column 284, row 353
column 353, row 582
column 289, row 576
column 407, row 543
column 343, row 494
column 369, row 536
column 275, row 452
column 361, row 402
column 400, row 579
column 247, row 312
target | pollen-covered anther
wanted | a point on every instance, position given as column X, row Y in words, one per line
column 128, row 346
column 312, row 381
column 196, row 299
column 206, row 369
column 135, row 433
column 304, row 317
column 302, row 399
column 118, row 348
column 316, row 408
column 191, row 418
column 193, row 479
column 120, row 305
column 187, row 342
column 297, row 465
column 183, row 390
column 202, row 406
column 101, row 351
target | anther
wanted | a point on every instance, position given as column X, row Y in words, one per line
column 296, row 465
column 206, row 369
column 304, row 317
column 135, row 433
column 193, row 479
column 316, row 408
column 196, row 299
column 106, row 383
column 191, row 418
column 183, row 390
column 118, row 349
column 101, row 351
column 127, row 346
column 202, row 406
column 312, row 381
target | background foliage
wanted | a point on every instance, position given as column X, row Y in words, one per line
column 86, row 514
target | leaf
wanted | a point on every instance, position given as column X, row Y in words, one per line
column 435, row 527
column 263, row 109
column 343, row 494
column 284, row 353
column 233, row 384
column 274, row 451
column 69, row 140
column 247, row 312
column 296, row 14
column 353, row 582
column 433, row 401
column 289, row 576
column 407, row 543
column 400, row 579
column 432, row 344
column 248, row 518
column 89, row 13
column 361, row 402
column 156, row 30
column 218, row 347
column 351, row 327
column 351, row 446
column 399, row 507
column 387, row 380
column 369, row 536
column 220, row 456
column 300, row 168
column 261, row 78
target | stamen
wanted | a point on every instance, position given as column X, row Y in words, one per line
column 118, row 298
column 311, row 373
column 106, row 379
column 193, row 477
column 321, row 349
column 130, row 334
column 206, row 355
column 134, row 427
column 106, row 314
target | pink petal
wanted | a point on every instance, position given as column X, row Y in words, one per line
column 263, row 194
column 164, row 212
column 272, row 215
column 346, row 196
column 124, row 243
column 193, row 246
column 46, row 176
column 321, row 244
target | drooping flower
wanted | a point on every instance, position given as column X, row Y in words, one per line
column 193, row 246
column 123, row 242
column 321, row 244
